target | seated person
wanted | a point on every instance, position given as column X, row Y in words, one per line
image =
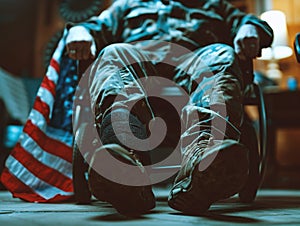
column 196, row 44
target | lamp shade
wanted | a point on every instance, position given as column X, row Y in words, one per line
column 277, row 21
column 279, row 49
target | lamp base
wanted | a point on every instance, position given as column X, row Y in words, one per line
column 273, row 72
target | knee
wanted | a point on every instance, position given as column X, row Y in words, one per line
column 220, row 53
column 225, row 49
column 115, row 48
column 225, row 52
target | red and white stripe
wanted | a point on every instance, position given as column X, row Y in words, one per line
column 39, row 168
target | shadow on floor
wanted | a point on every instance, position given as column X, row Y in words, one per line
column 226, row 211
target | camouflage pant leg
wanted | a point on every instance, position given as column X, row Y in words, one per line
column 212, row 77
column 116, row 80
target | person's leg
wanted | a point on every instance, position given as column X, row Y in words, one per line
column 121, row 111
column 214, row 163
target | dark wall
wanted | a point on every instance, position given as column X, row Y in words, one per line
column 17, row 27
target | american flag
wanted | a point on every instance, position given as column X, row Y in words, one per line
column 39, row 168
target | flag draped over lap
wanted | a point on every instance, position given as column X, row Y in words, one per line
column 39, row 168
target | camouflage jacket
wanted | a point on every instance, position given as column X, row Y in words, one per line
column 190, row 23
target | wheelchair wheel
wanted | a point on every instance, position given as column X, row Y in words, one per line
column 79, row 170
column 81, row 188
column 248, row 192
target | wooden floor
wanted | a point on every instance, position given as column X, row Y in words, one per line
column 272, row 207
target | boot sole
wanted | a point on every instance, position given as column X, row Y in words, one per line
column 127, row 200
column 223, row 178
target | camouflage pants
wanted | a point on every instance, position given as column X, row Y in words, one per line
column 124, row 75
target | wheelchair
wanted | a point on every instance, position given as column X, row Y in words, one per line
column 257, row 146
column 297, row 46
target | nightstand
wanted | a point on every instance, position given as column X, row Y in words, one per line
column 283, row 114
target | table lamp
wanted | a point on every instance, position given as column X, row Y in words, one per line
column 279, row 48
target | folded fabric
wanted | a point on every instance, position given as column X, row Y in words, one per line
column 39, row 168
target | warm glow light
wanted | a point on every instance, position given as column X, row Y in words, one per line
column 277, row 20
column 279, row 48
column 277, row 52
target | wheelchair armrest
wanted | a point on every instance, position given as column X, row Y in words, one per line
column 297, row 46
